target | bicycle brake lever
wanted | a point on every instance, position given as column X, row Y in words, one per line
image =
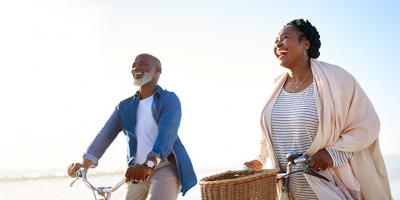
column 72, row 183
column 307, row 169
column 79, row 174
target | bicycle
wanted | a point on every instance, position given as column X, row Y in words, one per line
column 295, row 158
column 102, row 191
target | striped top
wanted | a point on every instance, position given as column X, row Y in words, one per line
column 294, row 123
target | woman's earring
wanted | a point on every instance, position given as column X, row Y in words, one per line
column 305, row 53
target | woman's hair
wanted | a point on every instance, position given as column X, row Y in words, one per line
column 311, row 34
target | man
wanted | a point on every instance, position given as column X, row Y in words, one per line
column 159, row 165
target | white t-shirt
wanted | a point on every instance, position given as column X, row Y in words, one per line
column 146, row 130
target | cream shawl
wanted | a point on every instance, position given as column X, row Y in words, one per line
column 347, row 122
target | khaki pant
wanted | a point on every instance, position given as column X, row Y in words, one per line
column 162, row 185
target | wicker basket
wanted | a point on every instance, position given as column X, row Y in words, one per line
column 240, row 185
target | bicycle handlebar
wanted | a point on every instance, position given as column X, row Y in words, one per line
column 295, row 158
column 103, row 191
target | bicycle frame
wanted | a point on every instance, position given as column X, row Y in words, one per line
column 102, row 191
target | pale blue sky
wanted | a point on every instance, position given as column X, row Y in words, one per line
column 65, row 65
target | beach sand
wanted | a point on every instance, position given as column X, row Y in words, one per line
column 58, row 188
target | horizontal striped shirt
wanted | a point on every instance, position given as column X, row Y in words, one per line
column 339, row 157
column 294, row 123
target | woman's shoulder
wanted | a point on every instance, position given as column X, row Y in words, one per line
column 332, row 68
column 335, row 71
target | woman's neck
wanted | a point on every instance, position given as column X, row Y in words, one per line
column 300, row 70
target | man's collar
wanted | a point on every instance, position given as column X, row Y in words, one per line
column 158, row 91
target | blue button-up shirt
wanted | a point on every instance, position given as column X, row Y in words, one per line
column 166, row 110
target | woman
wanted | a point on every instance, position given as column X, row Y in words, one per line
column 320, row 110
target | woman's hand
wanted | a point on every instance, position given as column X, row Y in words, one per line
column 254, row 164
column 321, row 160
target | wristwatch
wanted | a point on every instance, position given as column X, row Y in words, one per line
column 150, row 164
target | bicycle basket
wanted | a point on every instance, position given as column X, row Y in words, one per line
column 240, row 185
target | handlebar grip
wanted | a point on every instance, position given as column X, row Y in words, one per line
column 301, row 159
column 134, row 182
column 81, row 173
column 291, row 156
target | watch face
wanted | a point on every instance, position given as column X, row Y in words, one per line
column 150, row 163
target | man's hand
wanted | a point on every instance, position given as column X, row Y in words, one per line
column 321, row 160
column 138, row 173
column 74, row 167
column 254, row 164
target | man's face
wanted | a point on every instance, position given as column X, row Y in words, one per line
column 143, row 70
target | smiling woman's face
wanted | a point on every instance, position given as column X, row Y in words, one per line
column 290, row 46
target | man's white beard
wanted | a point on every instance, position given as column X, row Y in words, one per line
column 147, row 77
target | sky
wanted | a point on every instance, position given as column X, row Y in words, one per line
column 65, row 65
